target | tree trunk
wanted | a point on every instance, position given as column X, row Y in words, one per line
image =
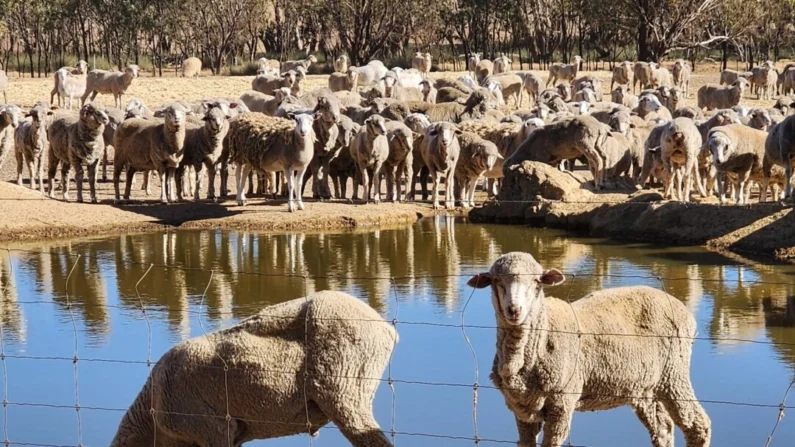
column 643, row 43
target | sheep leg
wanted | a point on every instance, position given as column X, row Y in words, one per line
column 557, row 425
column 435, row 192
column 449, row 189
column 390, row 183
column 199, row 168
column 658, row 422
column 65, row 166
column 224, row 178
column 162, row 172
column 290, row 177
column 92, row 180
column 128, row 187
column 473, row 184
column 241, row 176
column 721, row 191
column 528, row 433
column 40, row 173
column 409, row 169
column 211, row 181
column 788, row 181
column 79, row 173
column 689, row 416
column 742, row 182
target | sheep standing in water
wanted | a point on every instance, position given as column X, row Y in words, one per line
column 615, row 347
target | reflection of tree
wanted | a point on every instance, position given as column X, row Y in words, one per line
column 11, row 318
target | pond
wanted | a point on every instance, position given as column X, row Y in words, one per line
column 742, row 363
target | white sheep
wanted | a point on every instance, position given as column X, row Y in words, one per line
column 422, row 62
column 738, row 150
column 680, row 144
column 31, row 144
column 615, row 347
column 440, row 150
column 532, row 85
column 428, row 91
column 10, row 116
column 483, row 70
column 301, row 63
column 502, row 64
column 477, row 156
column 113, row 83
column 329, row 346
column 472, row 63
column 711, row 96
column 564, row 72
column 78, row 70
column 203, row 148
column 400, row 161
column 343, row 81
column 69, row 86
column 272, row 144
column 681, row 74
column 267, row 84
column 623, row 96
column 370, row 74
column 408, row 78
column 191, row 67
column 268, row 67
column 370, row 150
column 341, row 64
column 622, row 75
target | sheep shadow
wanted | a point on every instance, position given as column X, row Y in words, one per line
column 175, row 214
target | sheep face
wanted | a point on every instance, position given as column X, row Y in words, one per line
column 135, row 109
column 215, row 118
column 93, row 115
column 468, row 81
column 375, row 125
column 496, row 89
column 417, row 122
column 720, row 147
column 39, row 114
column 444, row 133
column 132, row 70
column 328, row 109
column 347, row 133
column 281, row 93
column 303, row 124
column 649, row 103
column 619, row 122
column 517, row 284
column 760, row 119
column 10, row 116
column 529, row 126
column 564, row 91
column 724, row 117
column 741, row 84
column 583, row 107
column 82, row 67
column 541, row 112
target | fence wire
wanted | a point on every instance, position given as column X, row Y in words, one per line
column 390, row 380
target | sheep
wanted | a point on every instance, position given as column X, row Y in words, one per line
column 440, row 150
column 672, row 97
column 298, row 87
column 477, row 105
column 477, row 156
column 769, row 86
column 331, row 343
column 343, row 80
column 502, row 64
column 107, row 82
column 738, row 150
column 680, row 143
column 115, row 118
column 4, row 85
column 621, row 95
column 77, row 139
column 69, row 86
column 191, row 67
column 711, row 96
column 567, row 139
column 267, row 84
column 650, row 107
column 788, row 80
column 400, row 160
column 532, row 85
column 137, row 109
column 617, row 154
column 408, row 78
column 622, row 75
column 343, row 167
column 341, row 64
column 759, row 77
column 642, row 72
column 562, row 90
column 637, row 133
column 727, row 76
column 268, row 67
column 399, row 93
column 301, row 63
column 472, row 63
column 591, row 82
column 10, row 116
column 78, row 71
column 428, row 91
column 483, row 70
column 540, row 350
column 262, row 103
column 422, row 63
column 30, row 144
column 691, row 112
column 585, row 95
column 370, row 150
column 660, row 77
column 564, row 72
column 327, row 114
column 760, row 119
column 371, row 73
column 511, row 86
column 149, row 145
column 780, row 151
column 203, row 148
column 681, row 76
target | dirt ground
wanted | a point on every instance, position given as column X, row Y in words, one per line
column 25, row 214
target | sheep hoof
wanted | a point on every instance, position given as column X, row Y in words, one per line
column 241, row 202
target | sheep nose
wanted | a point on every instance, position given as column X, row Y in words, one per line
column 514, row 310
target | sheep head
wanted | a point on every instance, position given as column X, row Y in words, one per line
column 760, row 119
column 303, row 124
column 620, row 122
column 39, row 114
column 417, row 122
column 376, row 125
column 132, row 70
column 93, row 115
column 517, row 284
column 174, row 115
column 444, row 133
column 215, row 117
column 82, row 67
column 328, row 107
column 649, row 103
column 10, row 115
column 529, row 126
column 720, row 146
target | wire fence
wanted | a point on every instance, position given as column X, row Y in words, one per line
column 227, row 413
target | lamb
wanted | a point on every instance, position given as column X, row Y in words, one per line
column 371, row 73
column 477, row 156
column 107, row 82
column 191, row 67
column 31, row 144
column 79, row 71
column 422, row 63
column 622, row 75
column 502, row 64
column 151, row 145
column 295, row 65
column 680, row 143
column 472, row 63
column 10, row 116
column 642, row 74
column 370, row 150
column 770, row 84
column 203, row 148
column 564, row 72
column 780, row 151
column 711, row 96
column 272, row 144
column 341, row 64
column 323, row 384
column 400, row 161
column 483, row 70
column 540, row 364
column 428, row 91
column 343, row 80
column 4, row 85
column 77, row 139
column 440, row 150
column 738, row 150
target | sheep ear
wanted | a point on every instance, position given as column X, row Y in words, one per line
column 552, row 277
column 458, row 131
column 316, row 116
column 480, row 281
column 653, row 150
column 290, row 115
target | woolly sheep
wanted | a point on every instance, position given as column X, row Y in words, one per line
column 418, row 123
column 267, row 84
column 137, row 109
column 472, row 63
column 191, row 67
column 483, row 70
column 780, row 151
column 564, row 72
column 422, row 62
column 31, row 144
column 477, row 106
column 502, row 64
column 637, row 133
column 532, row 85
column 511, row 86
column 77, row 139
column 788, row 81
column 727, row 77
column 327, row 114
column 331, row 343
column 4, row 85
column 272, row 144
column 440, row 150
column 680, row 144
column 739, row 150
column 115, row 118
column 428, row 91
column 646, row 370
column 342, row 167
column 622, row 75
column 759, row 77
column 203, row 148
column 585, row 95
column 711, row 96
column 78, row 71
column 371, row 73
column 107, row 82
column 477, row 156
column 268, row 67
column 621, row 95
column 408, row 78
column 70, row 86
column 642, row 74
column 681, row 76
column 691, row 112
column 151, row 145
column 370, row 150
column 341, row 64
column 759, row 118
column 616, row 152
column 661, row 77
column 262, row 103
column 591, row 82
column 301, row 63
column 650, row 107
column 10, row 116
column 343, row 80
column 400, row 161
column 769, row 87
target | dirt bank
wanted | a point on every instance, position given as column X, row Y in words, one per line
column 27, row 215
column 539, row 195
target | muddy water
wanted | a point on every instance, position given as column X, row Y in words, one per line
column 745, row 313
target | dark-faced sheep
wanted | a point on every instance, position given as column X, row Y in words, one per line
column 329, row 346
column 546, row 370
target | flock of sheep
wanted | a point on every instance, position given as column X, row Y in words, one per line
column 373, row 124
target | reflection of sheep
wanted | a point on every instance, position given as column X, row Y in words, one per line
column 739, row 150
column 564, row 72
column 711, row 96
column 544, row 386
column 31, row 144
column 328, row 345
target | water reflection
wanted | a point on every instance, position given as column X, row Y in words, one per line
column 235, row 273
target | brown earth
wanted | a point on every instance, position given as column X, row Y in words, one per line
column 540, row 195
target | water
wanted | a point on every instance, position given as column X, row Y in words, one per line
column 431, row 262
